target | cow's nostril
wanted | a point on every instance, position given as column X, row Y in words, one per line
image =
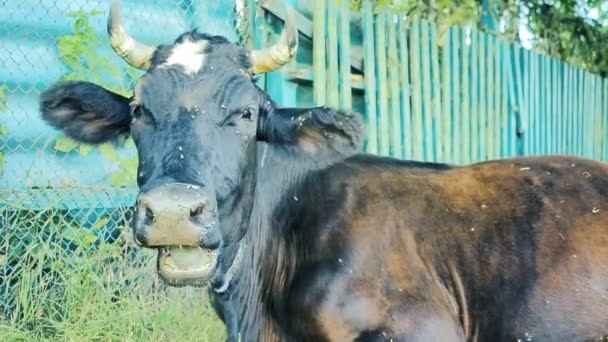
column 148, row 217
column 197, row 211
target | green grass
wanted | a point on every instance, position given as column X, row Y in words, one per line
column 89, row 292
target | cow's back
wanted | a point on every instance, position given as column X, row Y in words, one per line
column 531, row 239
column 507, row 249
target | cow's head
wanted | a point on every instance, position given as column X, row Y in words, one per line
column 195, row 117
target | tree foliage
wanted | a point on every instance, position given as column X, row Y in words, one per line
column 571, row 30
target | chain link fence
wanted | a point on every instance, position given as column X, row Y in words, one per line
column 68, row 269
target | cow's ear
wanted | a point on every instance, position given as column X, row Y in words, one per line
column 313, row 129
column 86, row 112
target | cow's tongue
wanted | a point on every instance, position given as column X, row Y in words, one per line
column 187, row 263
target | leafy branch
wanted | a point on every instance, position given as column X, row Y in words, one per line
column 80, row 52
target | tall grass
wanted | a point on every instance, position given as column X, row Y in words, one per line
column 59, row 284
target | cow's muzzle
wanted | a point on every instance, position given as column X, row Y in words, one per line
column 181, row 221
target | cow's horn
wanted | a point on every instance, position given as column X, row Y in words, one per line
column 133, row 52
column 276, row 56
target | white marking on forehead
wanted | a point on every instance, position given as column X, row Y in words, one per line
column 189, row 55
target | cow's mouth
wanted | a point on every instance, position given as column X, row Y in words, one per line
column 187, row 266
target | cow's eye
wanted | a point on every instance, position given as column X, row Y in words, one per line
column 246, row 113
column 137, row 112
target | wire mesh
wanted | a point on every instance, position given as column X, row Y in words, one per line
column 64, row 206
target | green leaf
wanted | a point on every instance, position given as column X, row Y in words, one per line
column 85, row 149
column 65, row 144
column 100, row 224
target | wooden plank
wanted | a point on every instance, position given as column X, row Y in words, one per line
column 319, row 66
column 465, row 123
column 446, row 103
column 580, row 112
column 306, row 28
column 509, row 137
column 518, row 97
column 396, row 145
column 605, row 117
column 416, row 78
column 597, row 122
column 525, row 103
column 475, row 142
column 491, row 113
column 370, row 77
column 303, row 73
column 427, row 115
column 382, row 84
column 333, row 92
column 455, row 46
column 551, row 131
column 346, row 101
column 437, row 120
column 546, row 103
column 483, row 109
column 571, row 117
column 558, row 76
column 404, row 81
column 535, row 73
column 556, row 108
column 591, row 126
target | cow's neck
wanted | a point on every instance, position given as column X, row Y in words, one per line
column 261, row 263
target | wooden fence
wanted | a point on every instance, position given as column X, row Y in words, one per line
column 463, row 97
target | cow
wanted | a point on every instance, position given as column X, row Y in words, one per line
column 300, row 236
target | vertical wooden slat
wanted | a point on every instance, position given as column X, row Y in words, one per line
column 576, row 112
column 381, row 69
column 525, row 98
column 394, row 103
column 509, row 136
column 556, row 106
column 333, row 91
column 416, row 91
column 483, row 108
column 437, row 119
column 491, row 113
column 571, row 98
column 497, row 119
column 405, row 86
column 597, row 122
column 564, row 109
column 345, row 50
column 544, row 121
column 320, row 80
column 447, row 105
column 475, row 136
column 536, row 102
column 427, row 117
column 581, row 112
column 465, row 123
column 518, row 99
column 457, row 120
column 605, row 116
column 370, row 76
column 566, row 105
column 557, row 102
